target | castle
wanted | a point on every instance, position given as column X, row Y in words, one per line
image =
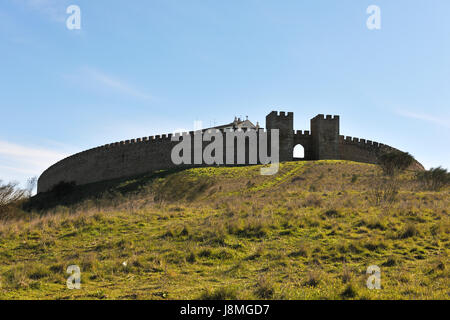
column 139, row 156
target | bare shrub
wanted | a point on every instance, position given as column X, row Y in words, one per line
column 384, row 191
column 10, row 197
column 31, row 186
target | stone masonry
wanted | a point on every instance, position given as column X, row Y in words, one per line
column 143, row 155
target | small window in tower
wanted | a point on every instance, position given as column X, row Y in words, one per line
column 299, row 152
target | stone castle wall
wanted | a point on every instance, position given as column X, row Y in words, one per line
column 126, row 158
column 361, row 150
column 139, row 156
column 130, row 158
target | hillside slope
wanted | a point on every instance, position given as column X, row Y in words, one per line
column 309, row 232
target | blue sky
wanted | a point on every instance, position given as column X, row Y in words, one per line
column 139, row 68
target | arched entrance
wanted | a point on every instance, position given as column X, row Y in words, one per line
column 299, row 152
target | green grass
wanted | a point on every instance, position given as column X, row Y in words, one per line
column 309, row 232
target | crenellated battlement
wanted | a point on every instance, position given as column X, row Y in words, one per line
column 305, row 133
column 361, row 142
column 146, row 154
column 326, row 117
column 281, row 114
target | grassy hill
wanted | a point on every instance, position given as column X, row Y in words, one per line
column 309, row 232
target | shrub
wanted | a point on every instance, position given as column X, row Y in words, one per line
column 395, row 162
column 11, row 197
column 384, row 191
column 434, row 179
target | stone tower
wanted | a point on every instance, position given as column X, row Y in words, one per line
column 325, row 137
column 285, row 123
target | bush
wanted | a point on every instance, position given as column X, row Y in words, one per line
column 10, row 198
column 434, row 179
column 384, row 191
column 395, row 162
